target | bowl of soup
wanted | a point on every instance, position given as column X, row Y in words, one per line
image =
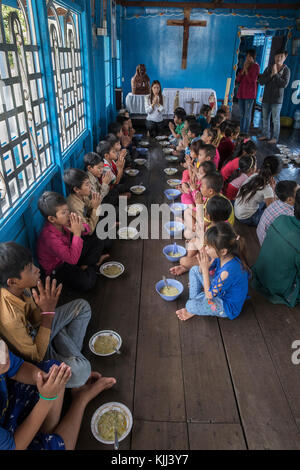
column 170, row 293
column 173, row 182
column 128, row 233
column 161, row 137
column 134, row 209
column 178, row 208
column 168, row 151
column 132, row 172
column 170, row 171
column 112, row 269
column 172, row 194
column 138, row 136
column 108, row 418
column 174, row 229
column 138, row 189
column 105, row 343
column 174, row 253
column 172, row 158
column 142, row 150
column 140, row 161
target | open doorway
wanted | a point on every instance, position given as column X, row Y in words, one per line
column 265, row 42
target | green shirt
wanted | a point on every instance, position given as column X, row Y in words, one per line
column 276, row 273
column 179, row 128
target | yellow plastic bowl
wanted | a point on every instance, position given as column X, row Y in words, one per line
column 286, row 121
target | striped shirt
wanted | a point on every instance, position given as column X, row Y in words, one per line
column 271, row 213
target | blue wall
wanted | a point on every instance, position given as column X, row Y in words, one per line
column 211, row 53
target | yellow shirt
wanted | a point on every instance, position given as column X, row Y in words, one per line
column 18, row 318
column 231, row 217
column 84, row 210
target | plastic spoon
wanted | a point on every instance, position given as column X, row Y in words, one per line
column 116, row 444
column 175, row 249
column 165, row 281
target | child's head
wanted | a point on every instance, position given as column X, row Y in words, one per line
column 205, row 111
column 286, row 191
column 271, row 166
column 235, row 130
column 194, row 148
column 206, row 152
column 114, row 141
column 54, row 208
column 247, row 164
column 17, row 269
column 221, row 241
column 222, row 113
column 209, row 135
column 194, row 130
column 78, row 182
column 226, row 129
column 116, row 129
column 106, row 150
column 218, row 209
column 217, row 121
column 93, row 163
column 124, row 121
column 124, row 112
column 179, row 116
column 212, row 184
column 204, row 168
column 156, row 91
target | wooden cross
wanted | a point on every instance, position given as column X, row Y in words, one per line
column 192, row 103
column 186, row 23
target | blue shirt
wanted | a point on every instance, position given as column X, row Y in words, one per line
column 203, row 122
column 234, row 289
column 7, row 441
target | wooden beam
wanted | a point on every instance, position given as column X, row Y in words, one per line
column 210, row 5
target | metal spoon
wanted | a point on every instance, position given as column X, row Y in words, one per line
column 117, row 351
column 116, row 444
column 175, row 249
column 165, row 281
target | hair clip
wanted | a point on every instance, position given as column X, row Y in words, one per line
column 237, row 238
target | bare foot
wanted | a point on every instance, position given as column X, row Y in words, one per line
column 178, row 270
column 263, row 138
column 102, row 258
column 94, row 385
column 183, row 314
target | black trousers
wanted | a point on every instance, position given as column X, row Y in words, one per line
column 155, row 128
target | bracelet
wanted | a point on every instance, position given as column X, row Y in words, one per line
column 47, row 313
column 48, row 399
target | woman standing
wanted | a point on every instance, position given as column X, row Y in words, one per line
column 247, row 78
column 154, row 106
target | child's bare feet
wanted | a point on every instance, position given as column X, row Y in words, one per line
column 94, row 385
column 178, row 270
column 102, row 258
column 183, row 314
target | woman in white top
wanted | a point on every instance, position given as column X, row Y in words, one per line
column 154, row 106
column 257, row 192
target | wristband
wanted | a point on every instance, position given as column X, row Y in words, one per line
column 48, row 399
column 47, row 313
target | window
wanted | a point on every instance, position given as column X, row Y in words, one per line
column 118, row 60
column 68, row 72
column 24, row 139
column 107, row 70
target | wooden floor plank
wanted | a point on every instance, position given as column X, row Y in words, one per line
column 216, row 436
column 151, row 435
column 265, row 413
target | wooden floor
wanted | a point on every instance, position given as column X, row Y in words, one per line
column 203, row 384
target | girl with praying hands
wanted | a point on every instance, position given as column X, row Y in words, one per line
column 154, row 107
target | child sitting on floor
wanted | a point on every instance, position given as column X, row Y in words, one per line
column 247, row 148
column 247, row 166
column 94, row 165
column 205, row 117
column 217, row 210
column 211, row 185
column 114, row 163
column 30, row 322
column 257, row 192
column 178, row 127
column 210, row 137
column 226, row 144
column 192, row 135
column 219, row 285
column 63, row 249
column 31, row 404
column 117, row 147
column 284, row 205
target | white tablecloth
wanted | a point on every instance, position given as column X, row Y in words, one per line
column 135, row 103
column 186, row 94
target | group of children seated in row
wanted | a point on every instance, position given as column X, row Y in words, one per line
column 40, row 343
column 224, row 179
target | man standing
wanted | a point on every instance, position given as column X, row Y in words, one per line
column 275, row 78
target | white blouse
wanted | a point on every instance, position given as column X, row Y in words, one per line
column 155, row 114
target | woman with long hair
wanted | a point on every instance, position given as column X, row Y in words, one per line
column 154, row 107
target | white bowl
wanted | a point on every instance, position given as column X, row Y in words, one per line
column 134, row 209
column 104, row 333
column 111, row 407
column 173, row 183
column 140, row 161
column 168, row 151
column 144, row 143
column 170, row 171
column 164, row 143
column 135, row 189
column 123, row 233
column 132, row 172
column 111, row 263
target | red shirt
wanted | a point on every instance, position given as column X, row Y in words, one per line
column 248, row 83
column 226, row 147
column 229, row 168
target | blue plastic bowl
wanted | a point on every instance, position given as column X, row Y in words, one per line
column 173, row 283
column 168, row 193
column 169, row 248
column 138, row 136
column 142, row 150
column 177, row 208
column 178, row 229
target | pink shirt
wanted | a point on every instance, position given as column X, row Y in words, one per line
column 229, row 168
column 55, row 247
column 216, row 160
column 248, row 83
